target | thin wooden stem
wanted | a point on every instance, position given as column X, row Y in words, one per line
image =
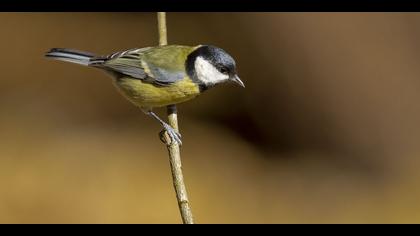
column 163, row 35
column 173, row 147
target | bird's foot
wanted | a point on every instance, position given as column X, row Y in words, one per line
column 174, row 136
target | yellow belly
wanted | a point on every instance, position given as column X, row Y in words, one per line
column 147, row 95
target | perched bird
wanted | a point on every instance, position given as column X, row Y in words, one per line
column 160, row 76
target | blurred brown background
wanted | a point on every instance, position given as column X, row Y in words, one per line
column 326, row 131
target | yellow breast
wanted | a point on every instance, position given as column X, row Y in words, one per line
column 147, row 95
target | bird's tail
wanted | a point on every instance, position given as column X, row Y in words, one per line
column 70, row 55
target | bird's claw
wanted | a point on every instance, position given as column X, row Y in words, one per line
column 172, row 133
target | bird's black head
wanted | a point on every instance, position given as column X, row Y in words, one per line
column 210, row 65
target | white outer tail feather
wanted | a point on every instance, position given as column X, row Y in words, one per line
column 69, row 55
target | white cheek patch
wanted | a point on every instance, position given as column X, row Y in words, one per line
column 207, row 73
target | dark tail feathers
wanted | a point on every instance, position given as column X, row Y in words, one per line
column 71, row 55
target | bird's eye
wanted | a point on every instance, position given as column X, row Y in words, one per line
column 224, row 70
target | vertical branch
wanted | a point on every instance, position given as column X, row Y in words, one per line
column 163, row 35
column 173, row 147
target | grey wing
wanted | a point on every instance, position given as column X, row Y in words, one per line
column 164, row 77
column 129, row 63
column 135, row 72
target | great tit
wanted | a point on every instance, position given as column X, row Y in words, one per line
column 159, row 76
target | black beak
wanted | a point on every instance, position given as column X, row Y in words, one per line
column 236, row 79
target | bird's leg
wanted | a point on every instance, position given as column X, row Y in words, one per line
column 173, row 134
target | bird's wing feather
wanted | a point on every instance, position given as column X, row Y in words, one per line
column 160, row 65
